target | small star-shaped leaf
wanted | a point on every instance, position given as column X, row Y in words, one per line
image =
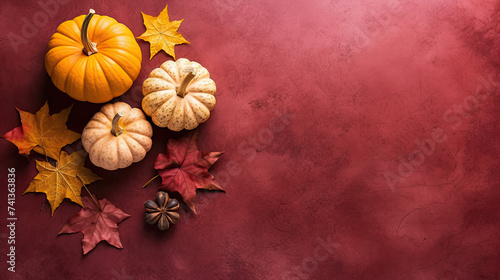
column 162, row 33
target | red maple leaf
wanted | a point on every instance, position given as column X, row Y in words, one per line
column 96, row 223
column 184, row 169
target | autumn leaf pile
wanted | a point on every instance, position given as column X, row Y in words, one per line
column 47, row 134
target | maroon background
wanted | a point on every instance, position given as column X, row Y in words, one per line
column 363, row 80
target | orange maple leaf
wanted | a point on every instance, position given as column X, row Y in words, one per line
column 162, row 33
column 41, row 132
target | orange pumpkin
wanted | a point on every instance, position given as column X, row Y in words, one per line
column 93, row 58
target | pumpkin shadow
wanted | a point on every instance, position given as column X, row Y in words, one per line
column 57, row 99
column 81, row 111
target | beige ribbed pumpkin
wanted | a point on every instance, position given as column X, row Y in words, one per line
column 117, row 136
column 178, row 95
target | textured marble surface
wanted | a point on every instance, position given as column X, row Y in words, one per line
column 360, row 142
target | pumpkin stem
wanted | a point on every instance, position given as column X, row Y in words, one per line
column 181, row 90
column 115, row 128
column 89, row 47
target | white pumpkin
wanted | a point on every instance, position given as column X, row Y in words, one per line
column 179, row 95
column 117, row 136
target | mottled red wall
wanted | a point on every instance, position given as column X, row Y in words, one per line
column 358, row 86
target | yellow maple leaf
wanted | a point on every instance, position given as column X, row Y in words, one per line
column 65, row 180
column 41, row 132
column 161, row 33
